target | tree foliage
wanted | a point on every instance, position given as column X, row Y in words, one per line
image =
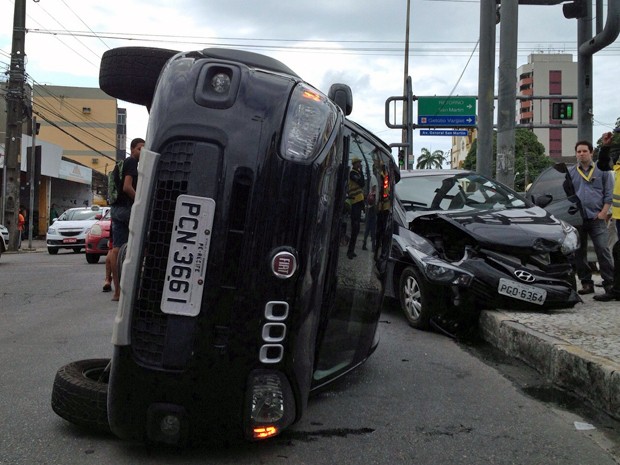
column 428, row 160
column 526, row 142
column 616, row 136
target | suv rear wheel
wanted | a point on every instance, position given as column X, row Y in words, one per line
column 131, row 73
column 80, row 393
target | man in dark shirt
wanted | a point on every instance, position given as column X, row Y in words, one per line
column 121, row 209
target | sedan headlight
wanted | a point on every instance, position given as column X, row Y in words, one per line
column 440, row 272
column 51, row 230
column 571, row 239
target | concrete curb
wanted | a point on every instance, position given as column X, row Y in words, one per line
column 589, row 376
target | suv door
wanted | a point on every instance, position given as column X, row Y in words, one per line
column 553, row 191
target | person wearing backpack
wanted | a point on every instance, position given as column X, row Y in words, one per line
column 121, row 207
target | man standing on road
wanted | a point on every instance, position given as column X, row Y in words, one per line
column 121, row 209
column 593, row 188
column 607, row 162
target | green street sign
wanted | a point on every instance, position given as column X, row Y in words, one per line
column 447, row 106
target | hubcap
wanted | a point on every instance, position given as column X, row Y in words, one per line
column 413, row 298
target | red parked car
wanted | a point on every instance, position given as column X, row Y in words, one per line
column 98, row 239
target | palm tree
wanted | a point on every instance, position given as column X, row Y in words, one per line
column 428, row 160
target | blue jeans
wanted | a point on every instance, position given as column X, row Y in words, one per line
column 597, row 231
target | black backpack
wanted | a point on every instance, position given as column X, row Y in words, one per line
column 115, row 183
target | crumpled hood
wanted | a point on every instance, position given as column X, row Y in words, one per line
column 522, row 228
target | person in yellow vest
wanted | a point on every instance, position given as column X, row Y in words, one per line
column 383, row 212
column 356, row 198
column 607, row 162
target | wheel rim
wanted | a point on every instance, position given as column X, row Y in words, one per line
column 412, row 297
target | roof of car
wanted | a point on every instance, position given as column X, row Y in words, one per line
column 414, row 173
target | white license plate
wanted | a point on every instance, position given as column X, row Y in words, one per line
column 520, row 291
column 188, row 254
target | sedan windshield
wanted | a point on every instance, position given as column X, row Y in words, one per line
column 79, row 215
column 445, row 192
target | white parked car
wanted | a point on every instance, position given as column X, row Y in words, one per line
column 4, row 238
column 69, row 230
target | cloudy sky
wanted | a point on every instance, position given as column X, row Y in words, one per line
column 357, row 42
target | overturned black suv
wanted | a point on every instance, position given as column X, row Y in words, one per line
column 238, row 297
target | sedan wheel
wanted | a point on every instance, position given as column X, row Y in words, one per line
column 414, row 298
column 52, row 251
column 92, row 258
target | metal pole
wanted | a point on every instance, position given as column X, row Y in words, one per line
column 14, row 117
column 486, row 87
column 507, row 91
column 33, row 152
column 584, row 77
column 407, row 99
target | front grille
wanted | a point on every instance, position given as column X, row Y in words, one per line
column 68, row 233
column 149, row 324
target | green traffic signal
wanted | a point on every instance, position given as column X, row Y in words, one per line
column 562, row 110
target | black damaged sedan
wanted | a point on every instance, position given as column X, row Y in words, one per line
column 464, row 243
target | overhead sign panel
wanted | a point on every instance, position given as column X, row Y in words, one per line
column 447, row 111
column 444, row 132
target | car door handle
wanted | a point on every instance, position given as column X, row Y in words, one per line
column 573, row 209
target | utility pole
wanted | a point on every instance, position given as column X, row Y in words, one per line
column 486, row 87
column 507, row 92
column 407, row 111
column 14, row 120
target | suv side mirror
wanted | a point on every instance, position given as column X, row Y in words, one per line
column 342, row 96
column 542, row 200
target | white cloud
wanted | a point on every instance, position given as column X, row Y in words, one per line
column 357, row 42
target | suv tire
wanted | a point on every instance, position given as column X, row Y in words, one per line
column 80, row 393
column 131, row 73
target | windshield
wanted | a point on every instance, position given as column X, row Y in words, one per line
column 445, row 192
column 79, row 215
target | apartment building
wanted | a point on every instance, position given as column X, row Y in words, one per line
column 548, row 74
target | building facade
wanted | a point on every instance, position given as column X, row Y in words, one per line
column 82, row 133
column 548, row 74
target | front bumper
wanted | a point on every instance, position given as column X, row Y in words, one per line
column 483, row 290
column 60, row 242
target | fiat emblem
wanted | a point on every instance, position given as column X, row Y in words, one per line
column 525, row 276
column 283, row 265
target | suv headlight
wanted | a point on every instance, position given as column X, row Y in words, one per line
column 571, row 239
column 310, row 120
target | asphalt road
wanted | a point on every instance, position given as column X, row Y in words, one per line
column 420, row 399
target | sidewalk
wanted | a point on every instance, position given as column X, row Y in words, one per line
column 577, row 349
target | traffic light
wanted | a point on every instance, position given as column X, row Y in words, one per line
column 562, row 110
column 575, row 9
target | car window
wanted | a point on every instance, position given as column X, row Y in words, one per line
column 79, row 215
column 467, row 191
column 550, row 181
